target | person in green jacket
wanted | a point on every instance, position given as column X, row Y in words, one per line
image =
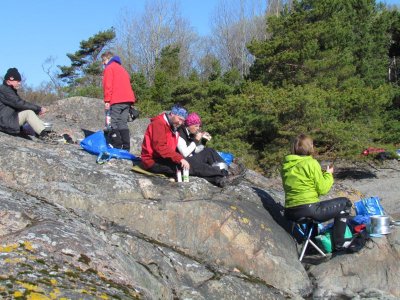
column 304, row 181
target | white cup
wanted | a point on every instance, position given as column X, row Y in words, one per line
column 178, row 175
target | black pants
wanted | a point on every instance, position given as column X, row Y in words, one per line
column 201, row 165
column 119, row 136
column 208, row 156
column 337, row 209
column 164, row 166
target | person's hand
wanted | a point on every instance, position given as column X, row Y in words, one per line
column 206, row 136
column 198, row 136
column 107, row 105
column 329, row 169
column 42, row 111
column 185, row 164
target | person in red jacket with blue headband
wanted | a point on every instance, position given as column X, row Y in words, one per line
column 159, row 154
column 118, row 97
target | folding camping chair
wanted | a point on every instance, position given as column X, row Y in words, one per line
column 305, row 227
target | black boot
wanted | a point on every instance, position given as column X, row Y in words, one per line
column 236, row 169
column 115, row 139
column 339, row 228
column 126, row 139
column 229, row 180
column 43, row 134
column 48, row 137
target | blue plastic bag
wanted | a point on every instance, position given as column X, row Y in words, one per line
column 114, row 153
column 96, row 144
column 360, row 219
column 227, row 157
column 369, row 207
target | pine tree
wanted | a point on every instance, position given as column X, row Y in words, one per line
column 325, row 68
column 166, row 75
column 325, row 42
column 85, row 69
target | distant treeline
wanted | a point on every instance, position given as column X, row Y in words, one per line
column 323, row 67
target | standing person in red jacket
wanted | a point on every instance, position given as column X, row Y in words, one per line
column 159, row 154
column 118, row 97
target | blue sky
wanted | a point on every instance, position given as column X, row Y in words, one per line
column 32, row 31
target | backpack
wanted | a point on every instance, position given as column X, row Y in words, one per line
column 324, row 239
column 355, row 240
column 358, row 242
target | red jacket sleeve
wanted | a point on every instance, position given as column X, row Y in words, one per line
column 108, row 84
column 163, row 142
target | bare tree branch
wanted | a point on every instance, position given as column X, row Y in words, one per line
column 141, row 38
column 235, row 24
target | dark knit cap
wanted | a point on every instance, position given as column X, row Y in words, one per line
column 12, row 74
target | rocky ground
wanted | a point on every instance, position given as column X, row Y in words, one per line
column 73, row 229
column 379, row 178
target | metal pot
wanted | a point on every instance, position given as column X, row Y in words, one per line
column 48, row 126
column 221, row 165
column 379, row 225
column 395, row 223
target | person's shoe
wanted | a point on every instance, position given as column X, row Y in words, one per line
column 115, row 139
column 67, row 139
column 125, row 139
column 24, row 135
column 224, row 172
column 235, row 179
column 222, row 182
column 236, row 169
column 48, row 137
column 230, row 180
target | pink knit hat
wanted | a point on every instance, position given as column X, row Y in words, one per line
column 193, row 119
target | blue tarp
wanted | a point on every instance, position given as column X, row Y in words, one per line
column 96, row 144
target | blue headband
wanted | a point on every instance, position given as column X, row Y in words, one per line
column 179, row 111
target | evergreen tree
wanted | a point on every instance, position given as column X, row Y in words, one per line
column 166, row 76
column 394, row 50
column 324, row 72
column 84, row 74
column 325, row 42
column 392, row 122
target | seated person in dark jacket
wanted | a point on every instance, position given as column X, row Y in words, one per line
column 203, row 160
column 15, row 112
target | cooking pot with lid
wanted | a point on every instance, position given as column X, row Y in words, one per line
column 379, row 225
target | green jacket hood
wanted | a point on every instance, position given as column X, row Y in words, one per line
column 292, row 160
column 303, row 180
